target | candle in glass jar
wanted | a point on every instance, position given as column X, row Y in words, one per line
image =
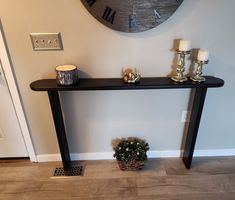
column 184, row 45
column 202, row 55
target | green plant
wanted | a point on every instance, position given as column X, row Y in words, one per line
column 132, row 149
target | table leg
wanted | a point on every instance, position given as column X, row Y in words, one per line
column 59, row 126
column 195, row 117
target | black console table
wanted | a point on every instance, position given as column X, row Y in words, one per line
column 51, row 86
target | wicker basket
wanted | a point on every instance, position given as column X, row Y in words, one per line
column 130, row 166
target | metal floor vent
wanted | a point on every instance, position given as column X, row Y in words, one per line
column 72, row 171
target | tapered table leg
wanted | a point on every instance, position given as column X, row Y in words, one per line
column 59, row 126
column 195, row 117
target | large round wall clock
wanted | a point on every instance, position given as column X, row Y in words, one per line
column 131, row 15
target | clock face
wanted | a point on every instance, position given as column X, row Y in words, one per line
column 131, row 15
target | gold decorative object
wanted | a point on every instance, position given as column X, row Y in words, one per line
column 180, row 77
column 197, row 76
column 131, row 75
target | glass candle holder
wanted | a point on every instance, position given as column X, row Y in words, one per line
column 197, row 76
column 180, row 77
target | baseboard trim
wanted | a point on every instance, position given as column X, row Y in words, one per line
column 214, row 152
column 151, row 154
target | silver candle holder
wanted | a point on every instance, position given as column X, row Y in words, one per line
column 197, row 76
column 180, row 77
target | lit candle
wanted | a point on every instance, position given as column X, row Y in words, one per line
column 202, row 55
column 184, row 45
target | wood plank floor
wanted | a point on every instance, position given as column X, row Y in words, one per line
column 161, row 179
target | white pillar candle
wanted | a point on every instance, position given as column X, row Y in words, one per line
column 202, row 55
column 184, row 45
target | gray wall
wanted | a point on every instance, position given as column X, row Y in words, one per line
column 93, row 119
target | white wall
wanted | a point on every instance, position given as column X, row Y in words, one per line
column 93, row 119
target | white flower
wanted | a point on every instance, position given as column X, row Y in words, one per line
column 119, row 147
column 138, row 153
column 127, row 149
column 131, row 142
column 138, row 143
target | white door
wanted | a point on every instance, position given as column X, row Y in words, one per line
column 11, row 139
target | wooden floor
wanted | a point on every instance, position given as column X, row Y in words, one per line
column 162, row 179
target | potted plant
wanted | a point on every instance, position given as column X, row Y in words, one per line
column 131, row 153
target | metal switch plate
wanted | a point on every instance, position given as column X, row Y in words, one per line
column 46, row 41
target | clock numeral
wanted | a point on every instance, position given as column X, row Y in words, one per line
column 156, row 14
column 90, row 2
column 132, row 21
column 109, row 15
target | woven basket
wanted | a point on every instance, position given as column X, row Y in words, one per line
column 130, row 166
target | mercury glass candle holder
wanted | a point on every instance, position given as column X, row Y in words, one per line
column 180, row 77
column 197, row 76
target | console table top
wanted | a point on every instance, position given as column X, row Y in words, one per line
column 118, row 84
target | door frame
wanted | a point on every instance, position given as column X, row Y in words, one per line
column 12, row 86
